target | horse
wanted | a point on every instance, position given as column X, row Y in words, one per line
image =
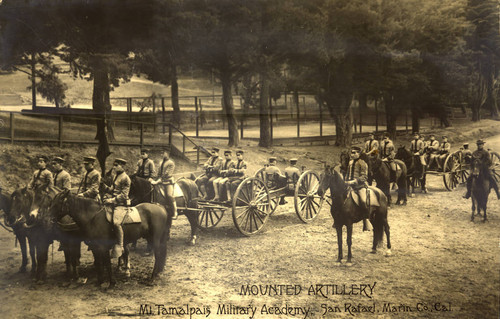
column 380, row 172
column 346, row 212
column 90, row 216
column 480, row 188
column 141, row 191
column 415, row 171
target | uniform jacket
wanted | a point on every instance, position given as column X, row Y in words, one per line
column 417, row 146
column 371, row 146
column 357, row 171
column 444, row 148
column 41, row 178
column 212, row 165
column 145, row 168
column 90, row 184
column 292, row 173
column 120, row 189
column 62, row 180
column 387, row 149
column 433, row 146
column 167, row 168
column 224, row 166
column 239, row 169
column 483, row 155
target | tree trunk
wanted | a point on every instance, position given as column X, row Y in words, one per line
column 415, row 119
column 33, row 82
column 265, row 136
column 343, row 127
column 491, row 101
column 228, row 107
column 174, row 89
column 363, row 101
column 391, row 115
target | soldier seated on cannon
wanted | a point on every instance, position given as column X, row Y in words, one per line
column 274, row 178
column 292, row 174
column 484, row 157
column 224, row 168
column 417, row 148
column 236, row 174
column 211, row 167
column 444, row 151
column 432, row 151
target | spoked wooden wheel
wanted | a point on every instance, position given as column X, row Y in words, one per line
column 452, row 171
column 209, row 217
column 495, row 165
column 251, row 206
column 307, row 201
column 261, row 174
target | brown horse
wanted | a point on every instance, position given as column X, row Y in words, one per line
column 480, row 188
column 346, row 212
column 90, row 216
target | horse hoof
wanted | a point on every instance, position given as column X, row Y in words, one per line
column 22, row 270
column 374, row 251
column 349, row 264
column 388, row 253
column 338, row 263
column 150, row 283
column 412, row 195
column 112, row 285
column 127, row 273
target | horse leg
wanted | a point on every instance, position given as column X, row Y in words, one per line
column 67, row 259
column 98, row 265
column 387, row 231
column 193, row 221
column 109, row 268
column 339, row 242
column 349, row 243
column 473, row 209
column 31, row 243
column 42, row 258
column 75, row 257
column 126, row 262
column 484, row 209
column 22, row 243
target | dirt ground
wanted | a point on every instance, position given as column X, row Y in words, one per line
column 442, row 264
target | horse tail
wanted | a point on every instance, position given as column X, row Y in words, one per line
column 379, row 220
column 190, row 191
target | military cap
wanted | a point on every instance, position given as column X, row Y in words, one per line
column 371, row 133
column 120, row 161
column 145, row 150
column 293, row 160
column 215, row 149
column 466, row 144
column 356, row 148
column 58, row 159
column 43, row 158
column 272, row 159
column 444, row 136
column 480, row 142
column 89, row 159
column 387, row 134
column 240, row 152
column 432, row 135
column 228, row 152
column 416, row 133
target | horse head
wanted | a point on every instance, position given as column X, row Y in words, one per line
column 21, row 201
column 140, row 190
column 344, row 161
column 477, row 167
column 59, row 205
column 331, row 178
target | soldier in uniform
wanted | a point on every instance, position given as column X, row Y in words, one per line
column 444, row 150
column 166, row 180
column 223, row 170
column 274, row 177
column 42, row 178
column 432, row 150
column 145, row 166
column 356, row 178
column 119, row 197
column 371, row 145
column 236, row 174
column 485, row 158
column 89, row 186
column 292, row 173
column 211, row 173
column 388, row 153
column 466, row 153
column 62, row 179
column 417, row 148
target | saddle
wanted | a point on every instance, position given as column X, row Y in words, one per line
column 394, row 173
column 365, row 197
column 131, row 214
column 66, row 223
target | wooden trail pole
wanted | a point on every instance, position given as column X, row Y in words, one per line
column 197, row 115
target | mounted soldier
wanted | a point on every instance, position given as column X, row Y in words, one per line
column 42, row 178
column 292, row 174
column 224, row 168
column 388, row 153
column 205, row 183
column 371, row 145
column 356, row 177
column 145, row 166
column 119, row 197
column 166, row 181
column 62, row 179
column 444, row 151
column 236, row 174
column 89, row 186
column 485, row 158
column 417, row 148
column 432, row 150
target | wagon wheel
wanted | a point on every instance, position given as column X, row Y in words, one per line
column 260, row 174
column 307, row 201
column 452, row 169
column 251, row 206
column 495, row 165
column 209, row 217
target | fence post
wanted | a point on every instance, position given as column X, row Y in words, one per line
column 170, row 135
column 406, row 118
column 60, row 130
column 298, row 119
column 241, row 127
column 360, row 120
column 198, row 155
column 183, row 144
column 129, row 111
column 305, row 108
column 142, row 135
column 154, row 113
column 196, row 115
column 11, row 128
column 376, row 116
column 271, row 118
column 320, row 119
column 163, row 113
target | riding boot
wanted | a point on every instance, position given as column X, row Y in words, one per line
column 175, row 215
column 118, row 248
column 469, row 186
column 282, row 201
column 203, row 192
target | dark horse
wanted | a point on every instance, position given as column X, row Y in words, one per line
column 141, row 191
column 90, row 216
column 379, row 171
column 480, row 188
column 415, row 171
column 345, row 212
